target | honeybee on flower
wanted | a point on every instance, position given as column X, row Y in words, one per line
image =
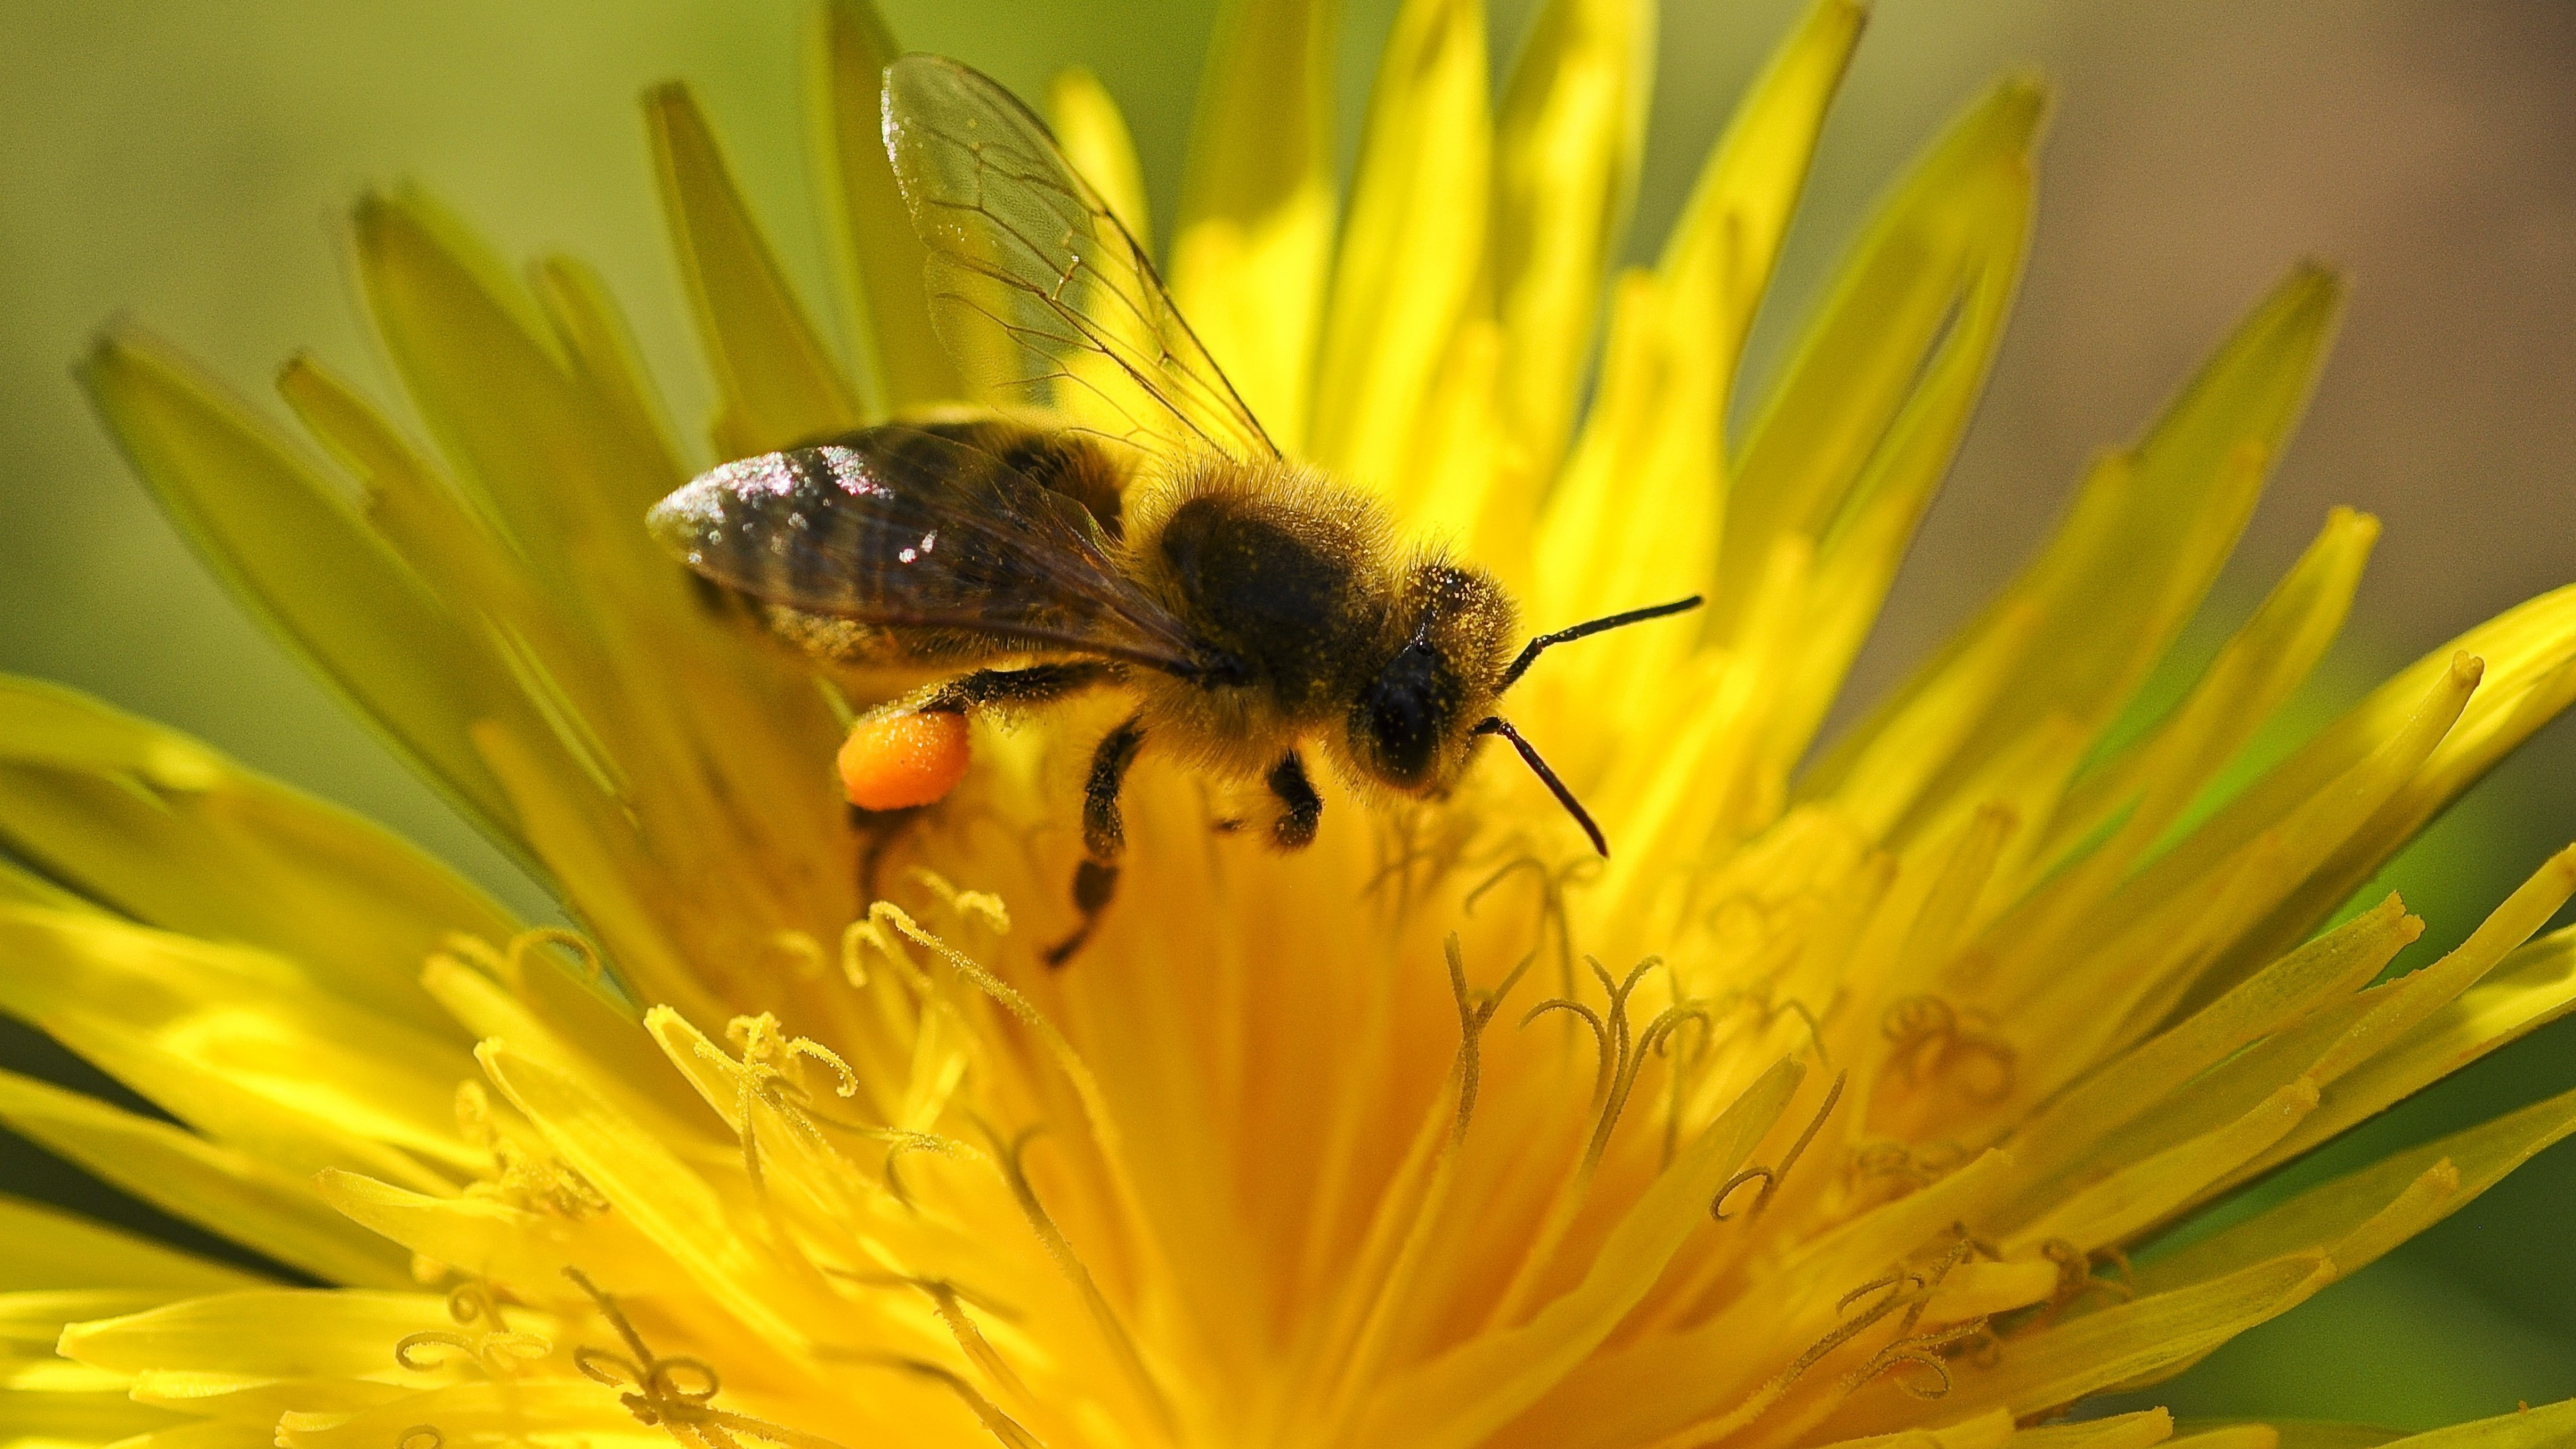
column 1825, row 1111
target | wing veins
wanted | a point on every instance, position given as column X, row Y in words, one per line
column 995, row 186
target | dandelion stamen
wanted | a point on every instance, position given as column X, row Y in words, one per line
column 1772, row 1177
column 674, row 1392
column 1113, row 1331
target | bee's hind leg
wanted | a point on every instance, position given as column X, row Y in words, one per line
column 1301, row 809
column 1104, row 834
column 1035, row 684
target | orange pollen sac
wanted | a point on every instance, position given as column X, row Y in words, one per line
column 900, row 758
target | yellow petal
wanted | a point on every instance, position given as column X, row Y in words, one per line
column 43, row 1247
column 878, row 254
column 2530, row 989
column 605, row 361
column 1990, row 1430
column 282, row 537
column 2424, row 1184
column 204, row 1434
column 636, row 1172
column 2145, row 1192
column 1255, row 239
column 169, row 832
column 777, row 384
column 1638, row 516
column 226, row 1192
column 1633, row 518
column 1412, row 258
column 2253, row 674
column 241, row 1044
column 2133, row 1343
column 281, row 1332
column 1719, row 257
column 2245, row 1436
column 1460, row 1398
column 1950, row 237
column 2159, row 928
column 2530, row 677
column 2332, row 966
column 491, row 1008
column 606, row 872
column 477, row 1236
column 2146, row 535
column 2120, row 1431
column 1568, row 142
column 484, row 1414
column 39, row 1416
column 1094, row 136
column 2541, row 1428
column 494, row 383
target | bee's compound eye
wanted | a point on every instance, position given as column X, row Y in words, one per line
column 902, row 758
column 1399, row 719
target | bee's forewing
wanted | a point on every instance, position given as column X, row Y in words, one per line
column 1035, row 286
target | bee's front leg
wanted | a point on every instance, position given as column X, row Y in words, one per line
column 1104, row 834
column 1301, row 809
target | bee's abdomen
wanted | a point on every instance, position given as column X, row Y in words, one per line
column 900, row 544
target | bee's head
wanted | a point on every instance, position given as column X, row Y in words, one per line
column 1450, row 632
column 1417, row 720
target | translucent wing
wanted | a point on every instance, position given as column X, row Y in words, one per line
column 922, row 536
column 1035, row 284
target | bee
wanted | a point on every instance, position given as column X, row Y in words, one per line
column 1134, row 530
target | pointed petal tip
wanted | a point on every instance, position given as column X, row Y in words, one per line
column 2312, row 294
column 2019, row 107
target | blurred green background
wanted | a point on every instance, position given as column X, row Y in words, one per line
column 186, row 161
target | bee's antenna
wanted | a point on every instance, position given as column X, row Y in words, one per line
column 1498, row 725
column 1532, row 649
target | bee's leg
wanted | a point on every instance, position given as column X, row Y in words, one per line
column 1302, row 809
column 880, row 829
column 1007, row 688
column 1104, row 834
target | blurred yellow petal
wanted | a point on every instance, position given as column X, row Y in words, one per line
column 1858, row 494
column 271, row 1331
column 1094, row 136
column 2145, row 536
column 2165, row 771
column 2538, row 1428
column 1638, row 515
column 226, row 1192
column 162, row 829
column 1939, row 260
column 1413, row 263
column 478, row 1236
column 292, row 547
column 47, row 1248
column 636, row 1173
column 1254, row 243
column 2531, row 988
column 879, row 256
column 777, row 384
column 1568, row 142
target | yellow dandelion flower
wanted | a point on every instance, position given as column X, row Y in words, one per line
column 1823, row 1112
